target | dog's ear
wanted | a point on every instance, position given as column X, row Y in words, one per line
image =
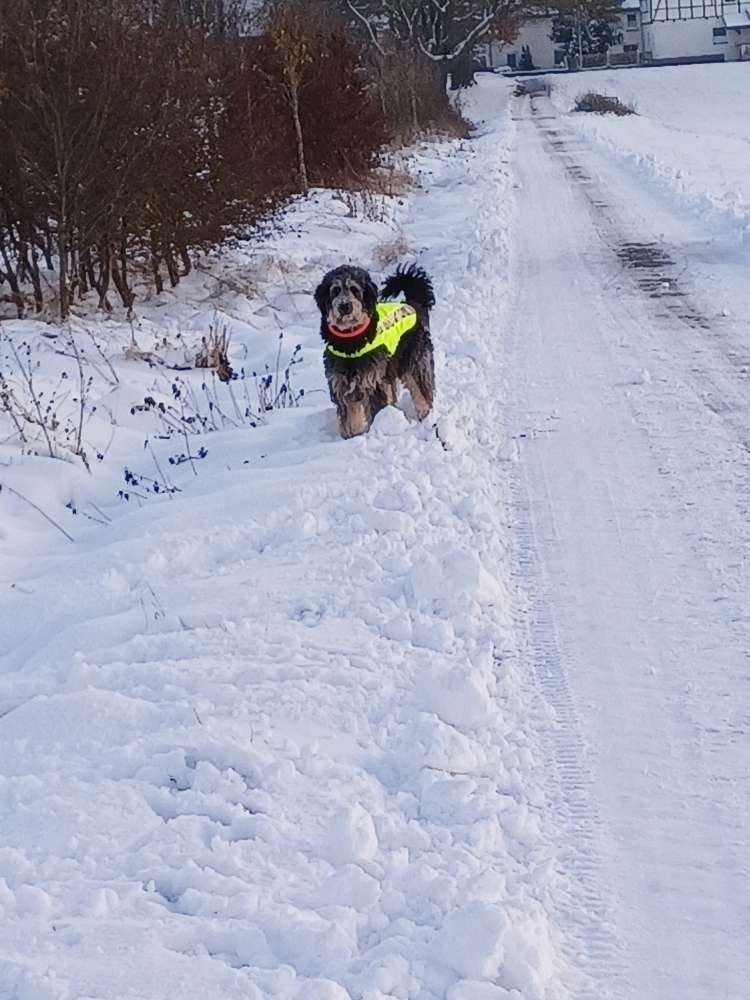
column 321, row 295
column 370, row 295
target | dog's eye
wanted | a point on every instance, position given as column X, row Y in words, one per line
column 356, row 292
column 335, row 289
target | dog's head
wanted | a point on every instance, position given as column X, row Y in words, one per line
column 346, row 297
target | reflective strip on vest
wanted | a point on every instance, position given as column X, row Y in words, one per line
column 394, row 320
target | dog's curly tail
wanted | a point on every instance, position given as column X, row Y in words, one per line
column 414, row 282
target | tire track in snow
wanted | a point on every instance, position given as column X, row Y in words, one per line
column 636, row 590
column 657, row 277
column 585, row 908
column 715, row 366
column 587, row 911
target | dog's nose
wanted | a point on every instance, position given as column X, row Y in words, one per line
column 345, row 308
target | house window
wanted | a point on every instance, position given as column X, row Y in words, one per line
column 720, row 36
column 512, row 58
column 632, row 21
column 630, row 48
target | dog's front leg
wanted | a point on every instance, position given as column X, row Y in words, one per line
column 421, row 395
column 390, row 392
column 355, row 419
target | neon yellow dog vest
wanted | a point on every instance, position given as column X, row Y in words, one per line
column 394, row 321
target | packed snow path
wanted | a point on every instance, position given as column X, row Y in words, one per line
column 272, row 738
column 631, row 405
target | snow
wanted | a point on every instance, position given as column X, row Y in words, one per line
column 450, row 711
column 268, row 736
column 736, row 20
column 691, row 132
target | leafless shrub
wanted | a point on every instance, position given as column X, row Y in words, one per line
column 601, row 104
column 390, row 252
column 47, row 419
column 134, row 136
column 412, row 93
column 185, row 410
column 392, row 181
column 365, row 204
column 214, row 351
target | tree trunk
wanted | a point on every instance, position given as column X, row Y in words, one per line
column 174, row 274
column 120, row 272
column 413, row 80
column 155, row 267
column 22, row 250
column 294, row 102
column 48, row 249
column 101, row 284
column 86, row 271
column 62, row 271
column 9, row 275
column 380, row 70
column 32, row 265
column 187, row 263
column 73, row 275
column 462, row 70
column 414, row 111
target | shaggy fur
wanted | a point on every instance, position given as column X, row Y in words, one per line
column 361, row 387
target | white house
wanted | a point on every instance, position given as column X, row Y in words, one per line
column 678, row 29
column 650, row 31
column 535, row 37
column 536, row 34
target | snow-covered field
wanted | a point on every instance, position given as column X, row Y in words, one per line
column 692, row 129
column 268, row 736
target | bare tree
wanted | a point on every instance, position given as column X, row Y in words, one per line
column 290, row 38
column 81, row 120
column 442, row 29
column 136, row 133
column 586, row 27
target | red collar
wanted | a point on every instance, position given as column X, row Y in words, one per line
column 349, row 334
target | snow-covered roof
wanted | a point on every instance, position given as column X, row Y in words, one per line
column 737, row 19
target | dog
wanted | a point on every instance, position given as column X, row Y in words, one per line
column 372, row 344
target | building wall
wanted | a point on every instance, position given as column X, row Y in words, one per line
column 687, row 37
column 675, row 39
column 685, row 28
column 536, row 33
column 689, row 10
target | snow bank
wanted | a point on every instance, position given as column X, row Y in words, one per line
column 268, row 737
column 691, row 132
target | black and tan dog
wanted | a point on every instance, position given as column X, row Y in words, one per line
column 373, row 345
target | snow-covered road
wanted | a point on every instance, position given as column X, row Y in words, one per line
column 631, row 398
